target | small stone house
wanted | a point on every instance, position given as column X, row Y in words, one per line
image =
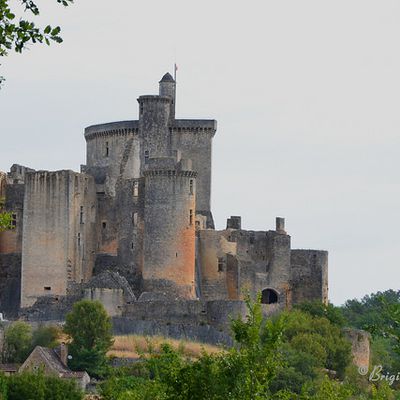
column 54, row 362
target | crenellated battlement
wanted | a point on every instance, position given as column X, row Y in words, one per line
column 119, row 128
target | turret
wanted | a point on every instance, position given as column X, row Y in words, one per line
column 169, row 227
column 154, row 112
column 168, row 88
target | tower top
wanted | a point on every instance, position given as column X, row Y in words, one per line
column 167, row 78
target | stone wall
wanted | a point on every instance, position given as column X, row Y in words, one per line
column 234, row 261
column 204, row 321
column 10, row 284
column 360, row 346
column 309, row 275
column 215, row 278
column 207, row 322
column 113, row 153
column 59, row 233
column 193, row 138
column 3, row 182
column 11, row 240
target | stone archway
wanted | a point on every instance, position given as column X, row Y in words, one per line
column 269, row 296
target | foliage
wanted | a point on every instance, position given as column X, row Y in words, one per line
column 311, row 345
column 297, row 355
column 40, row 387
column 328, row 389
column 17, row 342
column 3, row 387
column 368, row 313
column 329, row 311
column 90, row 328
column 46, row 336
column 132, row 388
column 60, row 389
column 16, row 35
column 26, row 386
column 5, row 217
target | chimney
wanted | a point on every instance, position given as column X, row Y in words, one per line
column 64, row 353
column 234, row 222
column 280, row 225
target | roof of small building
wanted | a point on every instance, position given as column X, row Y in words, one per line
column 9, row 367
column 167, row 78
column 53, row 362
column 74, row 374
column 48, row 356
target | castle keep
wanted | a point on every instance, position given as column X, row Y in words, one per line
column 135, row 228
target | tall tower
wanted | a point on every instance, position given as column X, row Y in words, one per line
column 168, row 88
column 169, row 227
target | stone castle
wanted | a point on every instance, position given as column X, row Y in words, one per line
column 135, row 227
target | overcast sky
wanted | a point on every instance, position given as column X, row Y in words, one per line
column 306, row 94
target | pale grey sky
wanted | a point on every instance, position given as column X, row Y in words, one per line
column 306, row 94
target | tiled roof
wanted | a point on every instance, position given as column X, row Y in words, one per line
column 53, row 361
column 9, row 367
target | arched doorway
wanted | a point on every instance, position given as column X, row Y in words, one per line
column 269, row 296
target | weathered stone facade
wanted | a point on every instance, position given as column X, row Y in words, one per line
column 140, row 209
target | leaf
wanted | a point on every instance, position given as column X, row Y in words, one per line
column 55, row 31
column 47, row 30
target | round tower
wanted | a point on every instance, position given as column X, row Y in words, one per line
column 169, row 228
column 168, row 88
column 154, row 133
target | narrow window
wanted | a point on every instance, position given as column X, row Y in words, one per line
column 107, row 149
column 13, row 220
column 191, row 217
column 191, row 186
column 135, row 188
column 81, row 216
column 221, row 263
column 47, row 288
column 141, row 108
column 135, row 219
column 104, row 225
column 79, row 239
column 146, row 156
column 132, row 245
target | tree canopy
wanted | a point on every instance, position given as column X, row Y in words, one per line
column 90, row 329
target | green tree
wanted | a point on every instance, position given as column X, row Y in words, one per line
column 37, row 386
column 3, row 387
column 16, row 35
column 46, row 336
column 311, row 345
column 370, row 313
column 26, row 386
column 329, row 311
column 17, row 342
column 90, row 329
column 61, row 389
